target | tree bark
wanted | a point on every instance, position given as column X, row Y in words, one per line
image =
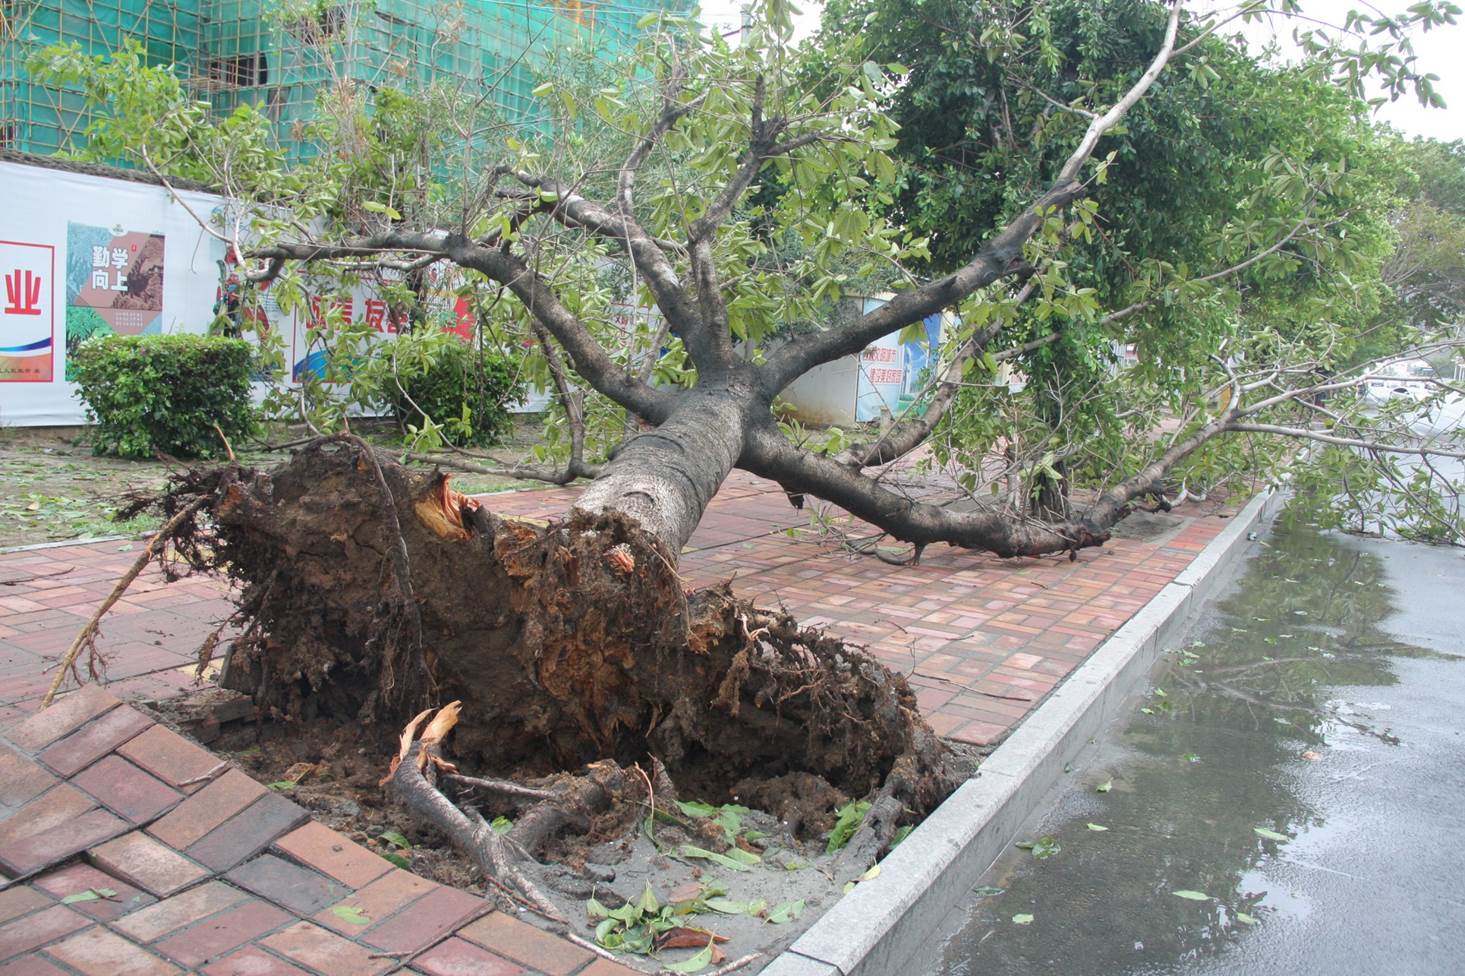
column 664, row 478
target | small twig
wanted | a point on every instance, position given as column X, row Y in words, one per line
column 735, row 965
column 88, row 633
column 203, row 777
column 36, row 576
column 503, row 786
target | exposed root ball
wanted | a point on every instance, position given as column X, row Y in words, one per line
column 566, row 643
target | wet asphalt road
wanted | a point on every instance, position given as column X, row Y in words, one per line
column 1321, row 698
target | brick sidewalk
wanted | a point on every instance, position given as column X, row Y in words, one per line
column 126, row 850
column 210, row 872
column 981, row 639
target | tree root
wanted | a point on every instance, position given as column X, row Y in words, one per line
column 87, row 638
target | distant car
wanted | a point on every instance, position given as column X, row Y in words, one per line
column 1413, row 379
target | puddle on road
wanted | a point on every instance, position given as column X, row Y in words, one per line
column 1281, row 712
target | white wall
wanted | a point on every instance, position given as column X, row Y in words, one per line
column 41, row 207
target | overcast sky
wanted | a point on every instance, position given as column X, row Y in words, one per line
column 1440, row 51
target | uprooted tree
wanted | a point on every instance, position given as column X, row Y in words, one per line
column 678, row 250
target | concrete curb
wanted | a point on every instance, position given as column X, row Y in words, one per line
column 875, row 928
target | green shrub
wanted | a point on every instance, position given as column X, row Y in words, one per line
column 441, row 389
column 165, row 393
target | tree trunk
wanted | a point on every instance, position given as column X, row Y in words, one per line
column 664, row 478
column 566, row 643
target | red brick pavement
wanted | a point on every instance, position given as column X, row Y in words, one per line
column 84, row 890
column 981, row 639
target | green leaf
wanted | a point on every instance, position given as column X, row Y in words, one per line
column 282, row 785
column 696, row 808
column 396, row 840
column 850, row 816
column 397, row 859
column 1093, row 826
column 80, row 896
column 1192, row 895
column 726, row 906
column 501, row 825
column 1105, row 786
column 648, row 904
column 785, row 912
column 1022, row 918
column 1270, row 834
column 1245, row 919
column 987, row 891
column 692, row 963
column 351, row 914
column 542, row 89
column 1042, row 848
column 688, row 850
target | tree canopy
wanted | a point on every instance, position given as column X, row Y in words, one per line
column 678, row 240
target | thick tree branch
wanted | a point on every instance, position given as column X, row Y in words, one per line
column 590, row 359
column 770, row 455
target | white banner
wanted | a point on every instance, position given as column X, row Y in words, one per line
column 85, row 255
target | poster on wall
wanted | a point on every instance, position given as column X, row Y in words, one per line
column 114, row 284
column 893, row 373
column 27, row 314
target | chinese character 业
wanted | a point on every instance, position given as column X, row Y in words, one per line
column 22, row 293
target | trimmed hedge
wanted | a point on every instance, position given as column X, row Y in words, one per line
column 165, row 393
column 464, row 390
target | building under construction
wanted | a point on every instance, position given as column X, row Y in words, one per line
column 282, row 56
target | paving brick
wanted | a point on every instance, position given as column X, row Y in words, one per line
column 324, row 951
column 126, row 790
column 252, row 961
column 65, row 840
column 526, row 944
column 322, row 848
column 376, row 901
column 21, row 779
column 216, row 937
column 172, row 758
column 143, row 861
column 458, row 957
column 98, row 952
column 80, row 878
column 171, row 914
column 36, row 929
column 66, row 714
column 289, row 885
column 207, row 809
column 94, row 740
column 20, row 900
column 425, row 921
column 247, row 833
column 33, row 965
column 56, row 806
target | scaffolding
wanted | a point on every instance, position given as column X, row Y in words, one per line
column 281, row 58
